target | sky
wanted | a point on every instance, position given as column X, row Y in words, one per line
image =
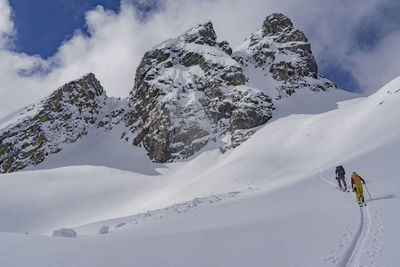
column 43, row 46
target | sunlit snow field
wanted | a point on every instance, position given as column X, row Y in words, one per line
column 272, row 201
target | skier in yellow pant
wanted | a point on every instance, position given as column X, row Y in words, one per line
column 356, row 184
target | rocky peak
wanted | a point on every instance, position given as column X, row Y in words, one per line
column 83, row 93
column 189, row 91
column 63, row 117
column 281, row 26
column 276, row 23
column 90, row 84
column 284, row 55
column 201, row 34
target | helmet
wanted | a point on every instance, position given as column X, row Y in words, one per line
column 354, row 174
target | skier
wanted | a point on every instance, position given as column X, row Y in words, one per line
column 356, row 184
column 340, row 173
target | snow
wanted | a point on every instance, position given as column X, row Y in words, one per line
column 19, row 115
column 272, row 201
column 101, row 148
column 309, row 102
column 210, row 53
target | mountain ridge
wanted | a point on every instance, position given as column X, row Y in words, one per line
column 188, row 92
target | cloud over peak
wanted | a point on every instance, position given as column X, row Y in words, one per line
column 115, row 42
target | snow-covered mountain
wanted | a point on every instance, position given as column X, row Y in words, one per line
column 41, row 128
column 99, row 166
column 272, row 201
column 189, row 92
column 192, row 90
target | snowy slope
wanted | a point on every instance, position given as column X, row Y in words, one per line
column 270, row 202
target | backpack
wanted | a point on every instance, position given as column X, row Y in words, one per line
column 340, row 170
column 357, row 180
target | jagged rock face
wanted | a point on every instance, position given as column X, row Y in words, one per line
column 189, row 91
column 281, row 28
column 63, row 117
column 283, row 53
column 200, row 34
column 192, row 90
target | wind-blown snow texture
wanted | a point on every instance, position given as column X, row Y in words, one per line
column 272, row 201
column 189, row 92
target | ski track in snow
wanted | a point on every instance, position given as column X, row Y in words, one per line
column 356, row 247
column 111, row 225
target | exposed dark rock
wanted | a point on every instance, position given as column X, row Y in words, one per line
column 281, row 27
column 174, row 119
column 224, row 45
column 276, row 23
column 63, row 117
column 201, row 34
column 190, row 59
column 283, row 51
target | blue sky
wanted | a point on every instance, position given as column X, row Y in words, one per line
column 43, row 27
column 355, row 42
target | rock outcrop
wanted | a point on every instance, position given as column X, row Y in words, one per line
column 62, row 118
column 189, row 91
column 283, row 53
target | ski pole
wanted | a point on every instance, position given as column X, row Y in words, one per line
column 366, row 187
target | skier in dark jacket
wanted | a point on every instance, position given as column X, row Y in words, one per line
column 340, row 173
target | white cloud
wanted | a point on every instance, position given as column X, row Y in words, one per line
column 373, row 69
column 6, row 23
column 118, row 41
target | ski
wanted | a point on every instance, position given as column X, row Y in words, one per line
column 362, row 204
